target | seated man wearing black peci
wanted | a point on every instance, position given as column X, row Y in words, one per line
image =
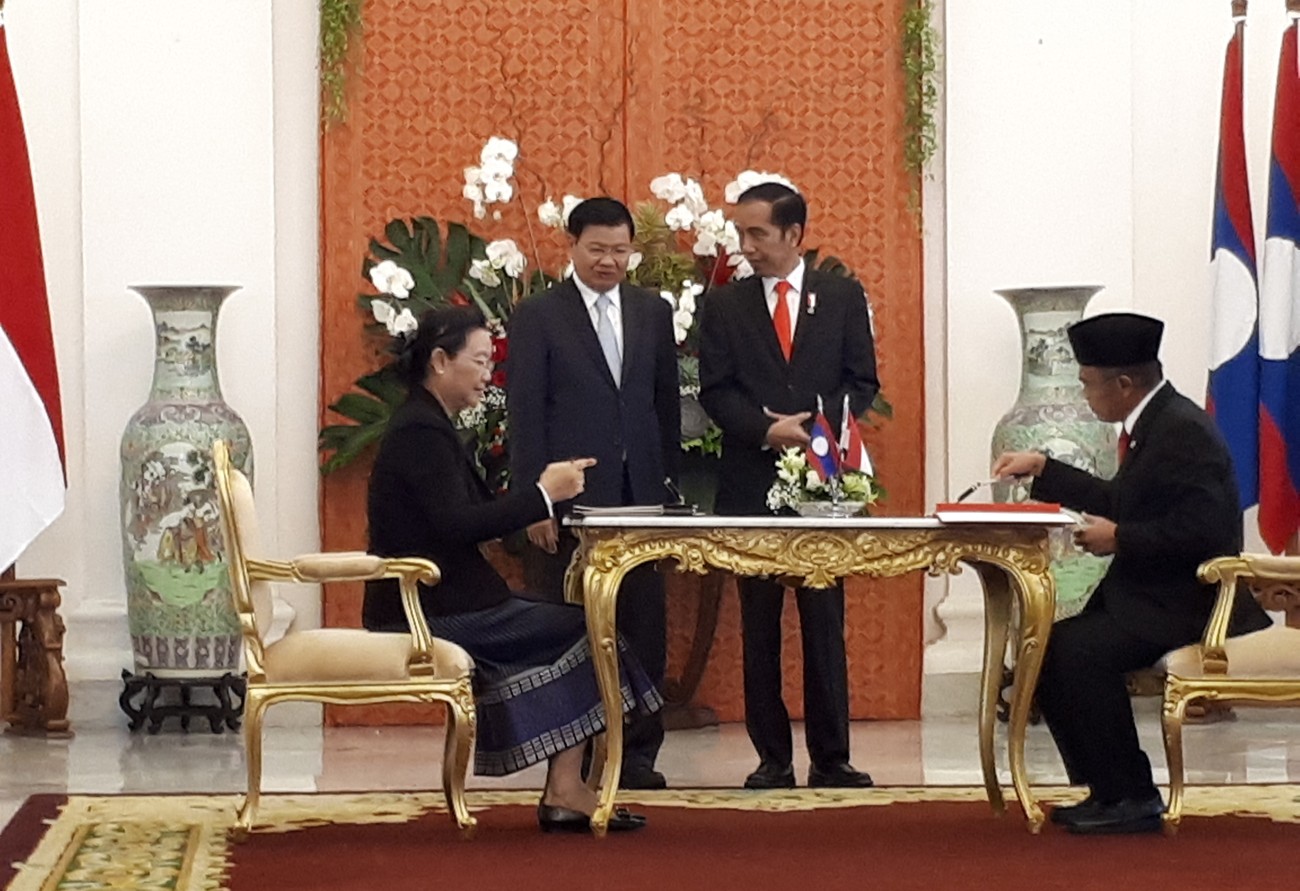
column 1172, row 505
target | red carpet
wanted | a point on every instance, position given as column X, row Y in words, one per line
column 708, row 840
column 905, row 846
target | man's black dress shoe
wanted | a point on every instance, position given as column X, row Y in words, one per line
column 1065, row 814
column 640, row 776
column 839, row 776
column 1128, row 815
column 771, row 776
column 563, row 819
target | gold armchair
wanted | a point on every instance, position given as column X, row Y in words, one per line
column 341, row 666
column 1260, row 668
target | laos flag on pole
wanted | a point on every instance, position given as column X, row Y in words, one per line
column 823, row 452
column 1233, row 393
column 1279, row 316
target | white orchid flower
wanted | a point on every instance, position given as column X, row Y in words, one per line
column 383, row 311
column 505, row 255
column 482, row 271
column 568, row 203
column 496, row 169
column 679, row 218
column 670, row 187
column 686, row 302
column 567, row 271
column 389, row 278
column 682, row 320
column 694, row 197
column 634, row 260
column 498, row 191
column 730, row 238
column 668, row 296
column 500, row 147
column 549, row 214
column 747, row 179
column 480, row 212
column 706, row 243
column 741, row 268
column 472, row 192
column 498, row 251
column 403, row 323
column 679, row 333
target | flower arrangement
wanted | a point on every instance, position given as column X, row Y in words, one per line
column 797, row 483
column 683, row 247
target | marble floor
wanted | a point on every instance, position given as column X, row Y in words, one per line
column 1260, row 746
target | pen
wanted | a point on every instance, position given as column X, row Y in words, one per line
column 673, row 490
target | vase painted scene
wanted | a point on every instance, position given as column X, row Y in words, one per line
column 179, row 608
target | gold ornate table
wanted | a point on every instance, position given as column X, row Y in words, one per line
column 1010, row 556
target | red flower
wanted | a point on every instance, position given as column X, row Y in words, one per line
column 500, row 350
column 497, row 450
column 499, row 378
column 720, row 274
column 456, row 298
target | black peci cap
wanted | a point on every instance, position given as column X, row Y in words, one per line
column 1116, row 339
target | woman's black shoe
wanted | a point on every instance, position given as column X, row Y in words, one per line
column 562, row 819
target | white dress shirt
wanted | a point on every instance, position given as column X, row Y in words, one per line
column 795, row 278
column 615, row 312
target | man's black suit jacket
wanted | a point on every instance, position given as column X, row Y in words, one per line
column 1175, row 505
column 562, row 401
column 427, row 500
column 742, row 372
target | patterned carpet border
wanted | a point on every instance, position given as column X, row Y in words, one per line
column 178, row 842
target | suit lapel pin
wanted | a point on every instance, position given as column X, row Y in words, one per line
column 812, row 303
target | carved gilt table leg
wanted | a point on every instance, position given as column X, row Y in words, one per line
column 997, row 616
column 1036, row 596
column 601, row 604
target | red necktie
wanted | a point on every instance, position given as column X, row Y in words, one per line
column 1124, row 439
column 781, row 318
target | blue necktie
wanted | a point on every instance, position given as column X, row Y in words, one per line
column 608, row 342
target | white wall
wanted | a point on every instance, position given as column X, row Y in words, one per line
column 171, row 142
column 1080, row 143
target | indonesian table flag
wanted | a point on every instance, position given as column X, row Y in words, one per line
column 1232, row 394
column 31, row 426
column 1279, row 316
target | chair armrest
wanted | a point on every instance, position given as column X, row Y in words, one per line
column 358, row 566
column 1229, row 572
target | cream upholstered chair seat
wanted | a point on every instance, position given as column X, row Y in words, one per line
column 340, row 666
column 1270, row 653
column 350, row 655
column 1261, row 668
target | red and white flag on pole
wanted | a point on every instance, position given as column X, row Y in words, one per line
column 852, row 447
column 31, row 445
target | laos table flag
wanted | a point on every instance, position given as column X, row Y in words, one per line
column 1232, row 395
column 823, row 451
column 1279, row 316
column 31, row 446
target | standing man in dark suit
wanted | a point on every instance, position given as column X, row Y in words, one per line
column 1172, row 505
column 593, row 371
column 769, row 346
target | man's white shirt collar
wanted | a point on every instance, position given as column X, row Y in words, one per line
column 1136, row 413
column 795, row 278
column 590, row 295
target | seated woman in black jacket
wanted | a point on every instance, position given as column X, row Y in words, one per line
column 534, row 682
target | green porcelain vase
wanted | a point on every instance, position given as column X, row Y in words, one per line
column 179, row 608
column 1051, row 414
